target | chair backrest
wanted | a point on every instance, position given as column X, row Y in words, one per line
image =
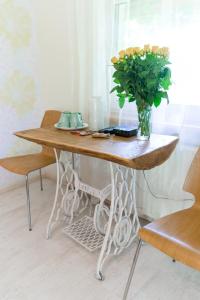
column 192, row 181
column 50, row 118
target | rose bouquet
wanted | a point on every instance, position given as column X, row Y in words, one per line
column 142, row 75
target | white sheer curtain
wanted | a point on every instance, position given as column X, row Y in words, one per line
column 175, row 24
column 91, row 26
column 90, row 34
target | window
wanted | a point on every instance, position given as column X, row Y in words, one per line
column 175, row 24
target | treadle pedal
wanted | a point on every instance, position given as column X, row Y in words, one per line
column 84, row 233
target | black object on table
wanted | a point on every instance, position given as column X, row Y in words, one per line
column 125, row 131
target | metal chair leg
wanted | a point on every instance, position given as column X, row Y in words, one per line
column 132, row 270
column 28, row 204
column 41, row 182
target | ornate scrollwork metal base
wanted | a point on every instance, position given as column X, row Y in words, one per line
column 69, row 199
column 119, row 222
column 72, row 195
column 116, row 220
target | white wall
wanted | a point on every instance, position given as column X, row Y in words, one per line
column 45, row 59
column 54, row 64
column 20, row 105
column 54, row 57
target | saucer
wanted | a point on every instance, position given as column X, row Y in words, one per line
column 85, row 125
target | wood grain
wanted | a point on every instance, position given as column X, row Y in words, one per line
column 178, row 234
column 192, row 181
column 24, row 164
column 129, row 152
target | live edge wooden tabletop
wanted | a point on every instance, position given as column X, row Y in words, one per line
column 130, row 152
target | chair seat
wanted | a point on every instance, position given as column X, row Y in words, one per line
column 177, row 235
column 25, row 164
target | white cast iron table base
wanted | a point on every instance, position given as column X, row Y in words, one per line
column 117, row 222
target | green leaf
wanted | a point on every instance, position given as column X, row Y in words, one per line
column 157, row 100
column 143, row 74
column 117, row 88
column 165, row 95
column 122, row 100
column 165, row 83
column 116, row 81
column 167, row 99
column 167, row 73
column 115, row 74
column 151, row 83
column 114, row 89
column 131, row 99
column 159, row 96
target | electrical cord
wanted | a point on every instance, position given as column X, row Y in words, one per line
column 157, row 196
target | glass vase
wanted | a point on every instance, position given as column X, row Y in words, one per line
column 144, row 119
column 96, row 113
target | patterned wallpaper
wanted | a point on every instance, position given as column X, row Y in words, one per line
column 20, row 107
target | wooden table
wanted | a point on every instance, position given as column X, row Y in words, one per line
column 129, row 152
column 115, row 226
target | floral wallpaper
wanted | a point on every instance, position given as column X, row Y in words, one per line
column 20, row 107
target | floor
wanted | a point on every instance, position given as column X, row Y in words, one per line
column 33, row 268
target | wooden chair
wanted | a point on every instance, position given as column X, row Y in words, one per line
column 25, row 164
column 178, row 234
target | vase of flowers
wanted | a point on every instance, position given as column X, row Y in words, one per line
column 142, row 75
column 144, row 120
